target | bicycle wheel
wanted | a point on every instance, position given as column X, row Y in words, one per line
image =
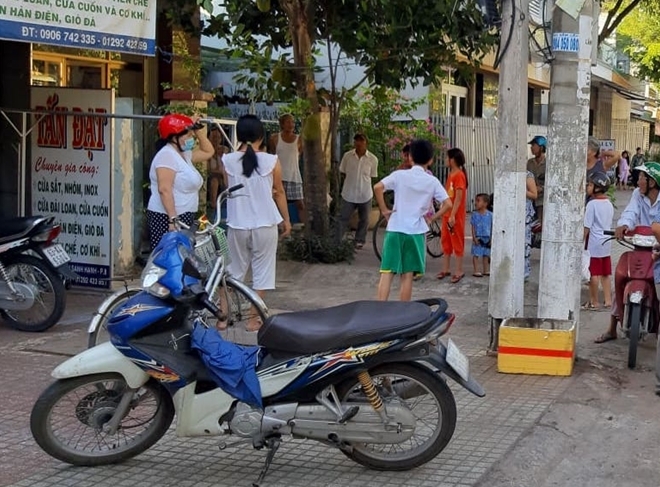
column 377, row 235
column 244, row 311
column 98, row 328
column 433, row 243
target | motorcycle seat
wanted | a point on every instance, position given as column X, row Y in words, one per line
column 357, row 323
column 18, row 227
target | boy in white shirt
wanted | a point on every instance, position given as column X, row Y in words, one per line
column 404, row 247
column 598, row 217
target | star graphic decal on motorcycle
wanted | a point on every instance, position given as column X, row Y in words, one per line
column 137, row 308
column 341, row 359
column 351, row 356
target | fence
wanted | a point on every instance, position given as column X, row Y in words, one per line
column 630, row 134
column 477, row 137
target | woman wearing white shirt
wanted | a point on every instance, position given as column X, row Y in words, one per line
column 175, row 183
column 254, row 214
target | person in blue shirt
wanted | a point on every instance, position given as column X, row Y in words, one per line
column 643, row 209
column 481, row 221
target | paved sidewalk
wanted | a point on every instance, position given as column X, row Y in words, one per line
column 486, row 428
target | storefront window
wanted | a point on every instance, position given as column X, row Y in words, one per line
column 88, row 69
column 88, row 77
column 46, row 73
column 491, row 96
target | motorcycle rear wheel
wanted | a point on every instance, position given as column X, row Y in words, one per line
column 69, row 418
column 49, row 290
column 391, row 380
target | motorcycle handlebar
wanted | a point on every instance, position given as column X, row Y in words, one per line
column 197, row 293
column 211, row 306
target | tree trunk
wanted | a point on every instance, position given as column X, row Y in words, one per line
column 315, row 179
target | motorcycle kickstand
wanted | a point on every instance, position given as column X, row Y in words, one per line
column 273, row 444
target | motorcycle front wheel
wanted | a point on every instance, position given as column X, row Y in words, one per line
column 429, row 399
column 69, row 420
column 635, row 316
column 47, row 289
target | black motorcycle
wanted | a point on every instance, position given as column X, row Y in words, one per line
column 32, row 273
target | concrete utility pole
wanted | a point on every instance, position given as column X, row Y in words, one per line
column 506, row 296
column 563, row 214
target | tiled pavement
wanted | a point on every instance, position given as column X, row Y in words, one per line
column 486, row 428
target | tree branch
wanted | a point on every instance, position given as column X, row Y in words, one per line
column 357, row 85
column 613, row 19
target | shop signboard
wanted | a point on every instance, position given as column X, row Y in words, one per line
column 71, row 174
column 107, row 25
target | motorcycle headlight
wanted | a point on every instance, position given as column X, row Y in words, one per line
column 150, row 276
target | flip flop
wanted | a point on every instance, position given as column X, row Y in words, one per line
column 442, row 275
column 605, row 337
column 589, row 307
column 486, row 273
column 477, row 274
column 456, row 278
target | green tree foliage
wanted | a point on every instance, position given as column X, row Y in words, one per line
column 639, row 36
column 395, row 41
column 617, row 11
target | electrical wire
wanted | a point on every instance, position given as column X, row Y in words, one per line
column 507, row 43
column 550, row 55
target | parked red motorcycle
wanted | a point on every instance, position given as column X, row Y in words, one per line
column 634, row 288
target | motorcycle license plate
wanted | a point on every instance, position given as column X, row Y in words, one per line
column 457, row 360
column 56, row 255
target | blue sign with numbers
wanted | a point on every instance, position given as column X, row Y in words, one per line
column 565, row 42
column 110, row 25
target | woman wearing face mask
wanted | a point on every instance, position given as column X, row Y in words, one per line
column 175, row 183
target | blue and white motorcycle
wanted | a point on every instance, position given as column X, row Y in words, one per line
column 368, row 378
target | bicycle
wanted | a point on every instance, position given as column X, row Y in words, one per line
column 433, row 244
column 239, row 303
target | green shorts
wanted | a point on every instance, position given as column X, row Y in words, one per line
column 403, row 253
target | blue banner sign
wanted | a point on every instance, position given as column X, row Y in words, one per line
column 100, row 25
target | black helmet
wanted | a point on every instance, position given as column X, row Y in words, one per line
column 601, row 182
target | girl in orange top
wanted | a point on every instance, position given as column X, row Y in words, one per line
column 453, row 223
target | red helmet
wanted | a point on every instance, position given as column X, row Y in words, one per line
column 175, row 124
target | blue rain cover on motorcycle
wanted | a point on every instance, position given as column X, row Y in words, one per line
column 233, row 367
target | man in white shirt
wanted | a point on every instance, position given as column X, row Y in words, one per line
column 404, row 247
column 359, row 166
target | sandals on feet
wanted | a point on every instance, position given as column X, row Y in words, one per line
column 589, row 307
column 442, row 275
column 477, row 274
column 457, row 277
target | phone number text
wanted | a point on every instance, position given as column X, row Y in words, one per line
column 75, row 38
